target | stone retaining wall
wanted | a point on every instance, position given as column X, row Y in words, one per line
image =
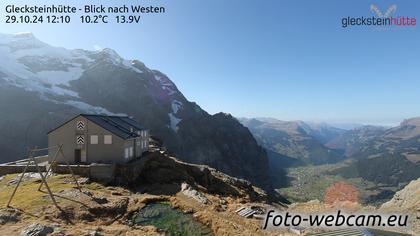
column 15, row 169
column 100, row 172
column 124, row 173
column 128, row 173
column 83, row 170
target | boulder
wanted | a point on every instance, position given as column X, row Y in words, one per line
column 188, row 191
column 9, row 216
column 37, row 230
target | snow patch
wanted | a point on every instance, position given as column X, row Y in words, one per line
column 24, row 34
column 19, row 37
column 174, row 121
column 14, row 48
column 117, row 60
column 166, row 84
column 129, row 65
column 11, row 67
column 60, row 77
column 90, row 109
column 60, row 53
column 63, row 92
column 176, row 105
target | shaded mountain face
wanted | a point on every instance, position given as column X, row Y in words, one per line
column 297, row 140
column 322, row 132
column 42, row 86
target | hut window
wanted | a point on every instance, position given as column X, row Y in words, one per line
column 131, row 152
column 94, row 139
column 107, row 139
column 126, row 154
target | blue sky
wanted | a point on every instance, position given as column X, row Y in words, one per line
column 284, row 59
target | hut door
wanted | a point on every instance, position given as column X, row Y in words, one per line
column 77, row 155
column 83, row 156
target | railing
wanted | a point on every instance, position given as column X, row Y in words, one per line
column 24, row 161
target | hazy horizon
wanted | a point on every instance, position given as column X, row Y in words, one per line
column 337, row 124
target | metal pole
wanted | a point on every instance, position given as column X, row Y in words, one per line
column 49, row 168
column 71, row 171
column 45, row 182
column 42, row 149
column 20, row 179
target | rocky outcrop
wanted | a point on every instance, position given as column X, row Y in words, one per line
column 231, row 146
column 407, row 201
column 161, row 174
column 9, row 216
column 189, row 191
column 37, row 230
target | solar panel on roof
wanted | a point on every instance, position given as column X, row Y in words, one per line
column 120, row 126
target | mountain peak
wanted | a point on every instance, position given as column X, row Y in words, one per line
column 110, row 52
column 21, row 35
column 24, row 35
column 369, row 128
column 20, row 41
column 412, row 121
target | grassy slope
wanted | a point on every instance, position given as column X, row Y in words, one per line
column 29, row 198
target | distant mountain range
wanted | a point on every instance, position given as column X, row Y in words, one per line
column 301, row 141
column 389, row 156
column 353, row 140
column 370, row 141
column 42, row 86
